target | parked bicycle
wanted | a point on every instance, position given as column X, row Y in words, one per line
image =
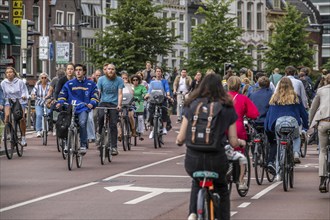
column 207, row 199
column 105, row 143
column 12, row 135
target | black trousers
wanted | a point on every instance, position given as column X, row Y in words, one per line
column 216, row 162
column 113, row 122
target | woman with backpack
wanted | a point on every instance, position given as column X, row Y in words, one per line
column 210, row 92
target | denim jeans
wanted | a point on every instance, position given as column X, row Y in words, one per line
column 83, row 117
column 216, row 162
column 39, row 113
column 90, row 126
column 113, row 123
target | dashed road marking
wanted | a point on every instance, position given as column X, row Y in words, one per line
column 244, row 205
column 269, row 188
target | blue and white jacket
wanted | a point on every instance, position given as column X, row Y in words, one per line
column 80, row 90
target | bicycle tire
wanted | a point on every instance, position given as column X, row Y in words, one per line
column 58, row 144
column 70, row 144
column 160, row 136
column 129, row 140
column 155, row 130
column 122, row 122
column 229, row 177
column 303, row 146
column 203, row 211
column 8, row 141
column 63, row 143
column 79, row 156
column 285, row 171
column 247, row 176
column 291, row 170
column 259, row 161
column 44, row 132
column 102, row 147
column 18, row 138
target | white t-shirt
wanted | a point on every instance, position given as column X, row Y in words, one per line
column 182, row 85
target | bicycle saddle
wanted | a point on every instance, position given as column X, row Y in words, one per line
column 206, row 174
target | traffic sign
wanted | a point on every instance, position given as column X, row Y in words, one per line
column 62, row 52
column 43, row 41
column 43, row 53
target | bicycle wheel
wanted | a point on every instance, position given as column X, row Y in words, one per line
column 63, row 143
column 18, row 138
column 291, row 171
column 102, row 147
column 8, row 141
column 44, row 131
column 108, row 148
column 247, row 175
column 79, row 156
column 285, row 170
column 160, row 132
column 70, row 144
column 259, row 168
column 303, row 145
column 155, row 130
column 229, row 177
column 128, row 134
column 58, row 144
column 203, row 211
column 123, row 130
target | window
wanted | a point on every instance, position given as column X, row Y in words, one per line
column 91, row 16
column 181, row 30
column 249, row 16
column 173, row 28
column 97, row 9
column 250, row 49
column 181, row 17
column 326, row 38
column 39, row 62
column 174, row 54
column 259, row 16
column 86, row 10
column 59, row 17
column 70, row 20
column 165, row 14
column 270, row 35
column 87, row 42
column 239, row 14
column 36, row 18
column 173, row 15
column 107, row 7
column 277, row 4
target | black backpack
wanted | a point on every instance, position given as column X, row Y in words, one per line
column 203, row 127
column 16, row 109
column 309, row 90
column 63, row 123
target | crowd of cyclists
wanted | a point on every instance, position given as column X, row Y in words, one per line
column 266, row 101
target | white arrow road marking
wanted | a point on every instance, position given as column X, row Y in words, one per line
column 152, row 191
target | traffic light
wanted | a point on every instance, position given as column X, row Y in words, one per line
column 26, row 31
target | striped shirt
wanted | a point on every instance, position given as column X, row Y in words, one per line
column 40, row 93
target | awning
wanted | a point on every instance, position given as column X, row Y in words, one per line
column 14, row 31
column 4, row 35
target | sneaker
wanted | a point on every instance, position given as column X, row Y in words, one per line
column 114, row 152
column 54, row 133
column 23, row 141
column 243, row 186
column 151, row 135
column 296, row 157
column 271, row 168
column 278, row 177
column 38, row 134
column 83, row 150
column 141, row 138
column 323, row 184
column 178, row 122
column 164, row 131
column 192, row 216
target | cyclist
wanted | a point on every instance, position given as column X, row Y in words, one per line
column 84, row 91
column 139, row 92
column 2, row 103
column 14, row 88
column 244, row 107
column 285, row 102
column 211, row 89
column 181, row 87
column 69, row 74
column 111, row 90
column 159, row 84
column 39, row 92
column 148, row 73
column 320, row 117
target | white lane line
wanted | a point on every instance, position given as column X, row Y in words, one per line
column 269, row 188
column 166, row 176
column 46, row 197
column 232, row 213
column 155, row 153
column 244, row 205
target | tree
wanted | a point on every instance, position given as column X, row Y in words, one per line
column 326, row 65
column 217, row 41
column 136, row 34
column 290, row 43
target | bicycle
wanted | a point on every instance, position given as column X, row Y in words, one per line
column 73, row 142
column 181, row 102
column 139, row 121
column 207, row 200
column 157, row 99
column 12, row 135
column 125, row 123
column 304, row 143
column 285, row 160
column 105, row 143
column 45, row 124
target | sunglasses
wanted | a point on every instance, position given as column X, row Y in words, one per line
column 43, row 77
column 135, row 80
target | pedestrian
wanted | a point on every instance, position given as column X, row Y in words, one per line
column 211, row 90
column 275, row 77
column 319, row 116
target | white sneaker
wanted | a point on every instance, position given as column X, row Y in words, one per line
column 54, row 132
column 243, row 186
column 151, row 135
column 23, row 141
column 164, row 131
column 38, row 134
column 192, row 216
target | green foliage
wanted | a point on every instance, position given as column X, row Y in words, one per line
column 290, row 43
column 135, row 35
column 216, row 42
column 326, row 65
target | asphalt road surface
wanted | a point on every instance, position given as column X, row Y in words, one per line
column 144, row 183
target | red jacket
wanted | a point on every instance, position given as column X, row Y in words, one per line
column 243, row 107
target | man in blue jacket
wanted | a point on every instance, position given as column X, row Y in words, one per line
column 85, row 93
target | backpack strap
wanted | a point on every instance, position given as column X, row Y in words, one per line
column 209, row 120
column 195, row 118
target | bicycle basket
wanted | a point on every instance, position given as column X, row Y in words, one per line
column 128, row 99
column 157, row 97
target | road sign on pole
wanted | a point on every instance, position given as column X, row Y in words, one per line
column 43, row 48
column 62, row 52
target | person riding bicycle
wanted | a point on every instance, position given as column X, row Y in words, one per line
column 162, row 85
column 14, row 88
column 111, row 90
column 285, row 102
column 85, row 93
column 216, row 161
column 39, row 92
column 320, row 117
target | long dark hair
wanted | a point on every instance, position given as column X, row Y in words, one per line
column 212, row 89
